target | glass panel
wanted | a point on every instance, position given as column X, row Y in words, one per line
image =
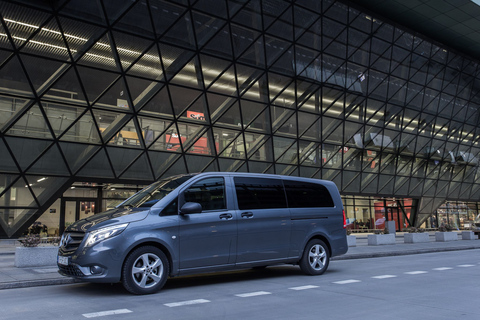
column 197, row 163
column 121, row 158
column 96, row 81
column 97, row 167
column 67, row 89
column 128, row 47
column 127, row 137
column 220, row 45
column 139, row 170
column 31, row 124
column 205, row 26
column 109, row 123
column 50, row 163
column 17, row 195
column 100, row 55
column 159, row 105
column 148, row 66
column 26, row 151
column 87, row 209
column 77, row 154
column 6, row 159
column 202, row 145
column 70, row 212
column 232, row 147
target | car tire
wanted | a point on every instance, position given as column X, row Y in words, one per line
column 316, row 258
column 145, row 270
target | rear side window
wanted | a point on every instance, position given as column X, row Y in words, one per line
column 210, row 193
column 307, row 195
column 259, row 193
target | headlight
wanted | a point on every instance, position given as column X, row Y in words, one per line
column 104, row 233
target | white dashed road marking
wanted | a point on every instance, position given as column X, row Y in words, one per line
column 347, row 281
column 303, row 288
column 106, row 313
column 253, row 294
column 465, row 265
column 386, row 276
column 442, row 269
column 416, row 272
column 186, row 303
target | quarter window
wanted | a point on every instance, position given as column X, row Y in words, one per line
column 259, row 193
column 307, row 195
column 210, row 193
column 171, row 209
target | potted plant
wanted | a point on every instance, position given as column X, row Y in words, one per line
column 445, row 233
column 32, row 254
column 381, row 237
column 415, row 235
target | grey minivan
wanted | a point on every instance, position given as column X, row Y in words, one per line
column 207, row 222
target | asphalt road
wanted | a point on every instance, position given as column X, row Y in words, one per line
column 425, row 286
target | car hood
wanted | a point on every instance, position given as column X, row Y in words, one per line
column 110, row 217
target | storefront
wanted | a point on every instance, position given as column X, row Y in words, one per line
column 367, row 214
column 456, row 215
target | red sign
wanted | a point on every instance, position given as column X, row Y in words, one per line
column 195, row 115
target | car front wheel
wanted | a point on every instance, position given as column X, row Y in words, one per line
column 145, row 270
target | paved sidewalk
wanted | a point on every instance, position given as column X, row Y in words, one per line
column 12, row 277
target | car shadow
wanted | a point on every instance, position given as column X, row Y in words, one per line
column 253, row 274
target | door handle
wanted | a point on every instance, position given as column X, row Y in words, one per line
column 247, row 214
column 226, row 216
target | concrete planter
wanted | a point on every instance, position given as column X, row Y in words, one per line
column 352, row 241
column 415, row 237
column 381, row 239
column 446, row 236
column 468, row 235
column 35, row 256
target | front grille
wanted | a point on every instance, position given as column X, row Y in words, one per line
column 70, row 242
column 71, row 270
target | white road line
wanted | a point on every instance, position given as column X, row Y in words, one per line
column 442, row 269
column 385, row 276
column 465, row 265
column 347, row 281
column 416, row 272
column 252, row 294
column 303, row 288
column 106, row 313
column 186, row 303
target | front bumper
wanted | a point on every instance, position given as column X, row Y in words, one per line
column 100, row 263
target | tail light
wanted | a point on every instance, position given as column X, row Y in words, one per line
column 344, row 220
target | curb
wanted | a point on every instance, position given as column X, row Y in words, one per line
column 399, row 253
column 37, row 283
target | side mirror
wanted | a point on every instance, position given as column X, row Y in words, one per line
column 191, row 207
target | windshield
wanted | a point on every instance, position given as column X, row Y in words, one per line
column 154, row 192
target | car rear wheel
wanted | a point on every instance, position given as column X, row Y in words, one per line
column 145, row 270
column 316, row 258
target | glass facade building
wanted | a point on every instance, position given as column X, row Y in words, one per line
column 95, row 94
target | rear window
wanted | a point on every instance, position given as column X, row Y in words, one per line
column 259, row 193
column 307, row 195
